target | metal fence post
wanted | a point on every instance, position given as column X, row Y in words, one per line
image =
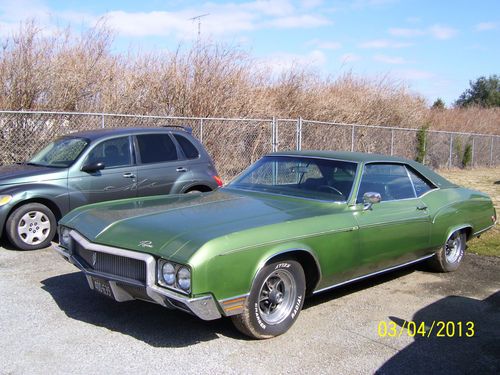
column 201, row 130
column 102, row 121
column 352, row 139
column 491, row 151
column 472, row 154
column 392, row 142
column 299, row 134
column 273, row 135
column 451, row 150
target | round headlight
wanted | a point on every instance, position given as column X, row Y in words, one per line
column 184, row 278
column 168, row 271
column 65, row 239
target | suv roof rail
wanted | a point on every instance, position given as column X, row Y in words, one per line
column 187, row 129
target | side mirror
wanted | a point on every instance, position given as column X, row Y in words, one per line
column 369, row 199
column 93, row 167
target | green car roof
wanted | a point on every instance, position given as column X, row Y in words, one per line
column 362, row 157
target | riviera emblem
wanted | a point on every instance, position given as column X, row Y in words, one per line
column 94, row 259
column 146, row 244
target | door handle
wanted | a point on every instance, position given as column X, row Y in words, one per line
column 181, row 169
column 422, row 208
column 129, row 175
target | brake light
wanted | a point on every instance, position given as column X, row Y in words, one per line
column 218, row 180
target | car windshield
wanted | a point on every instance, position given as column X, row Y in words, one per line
column 61, row 153
column 304, row 177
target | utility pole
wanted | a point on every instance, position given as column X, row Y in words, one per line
column 198, row 18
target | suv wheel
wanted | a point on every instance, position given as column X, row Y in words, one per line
column 31, row 226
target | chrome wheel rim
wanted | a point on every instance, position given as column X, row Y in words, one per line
column 277, row 296
column 453, row 248
column 33, row 228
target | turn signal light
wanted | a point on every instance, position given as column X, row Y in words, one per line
column 218, row 180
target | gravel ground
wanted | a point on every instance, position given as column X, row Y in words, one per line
column 51, row 323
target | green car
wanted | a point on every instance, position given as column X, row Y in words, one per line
column 291, row 225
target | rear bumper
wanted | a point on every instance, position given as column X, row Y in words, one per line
column 124, row 289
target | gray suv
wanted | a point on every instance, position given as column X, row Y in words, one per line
column 96, row 166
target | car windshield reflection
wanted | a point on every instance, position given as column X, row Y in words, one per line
column 311, row 178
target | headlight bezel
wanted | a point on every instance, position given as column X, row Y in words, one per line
column 175, row 286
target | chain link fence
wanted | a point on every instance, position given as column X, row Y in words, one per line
column 236, row 143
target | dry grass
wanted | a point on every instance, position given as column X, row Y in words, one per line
column 486, row 180
column 69, row 72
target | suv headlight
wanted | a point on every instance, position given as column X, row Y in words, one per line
column 64, row 237
column 174, row 276
column 4, row 199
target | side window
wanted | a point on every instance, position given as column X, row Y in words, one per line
column 389, row 180
column 188, row 148
column 156, row 148
column 421, row 185
column 113, row 153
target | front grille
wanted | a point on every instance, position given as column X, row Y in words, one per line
column 112, row 264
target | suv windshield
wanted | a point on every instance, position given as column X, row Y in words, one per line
column 304, row 177
column 61, row 153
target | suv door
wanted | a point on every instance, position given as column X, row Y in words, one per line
column 396, row 230
column 158, row 166
column 116, row 181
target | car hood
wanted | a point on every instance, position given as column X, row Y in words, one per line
column 176, row 226
column 23, row 173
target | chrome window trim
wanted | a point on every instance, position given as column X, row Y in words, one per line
column 302, row 157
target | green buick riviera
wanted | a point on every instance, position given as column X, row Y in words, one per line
column 291, row 225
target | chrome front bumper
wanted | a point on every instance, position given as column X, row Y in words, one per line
column 204, row 307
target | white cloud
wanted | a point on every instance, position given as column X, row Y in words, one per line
column 323, row 44
column 442, row 32
column 300, row 21
column 266, row 7
column 384, row 43
column 349, row 58
column 406, row 32
column 390, row 59
column 436, row 31
column 308, row 4
column 484, row 26
column 283, row 61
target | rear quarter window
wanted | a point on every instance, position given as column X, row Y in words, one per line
column 187, row 147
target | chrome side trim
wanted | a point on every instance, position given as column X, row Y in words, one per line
column 204, row 307
column 482, row 230
column 373, row 274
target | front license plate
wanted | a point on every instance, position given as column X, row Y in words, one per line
column 102, row 286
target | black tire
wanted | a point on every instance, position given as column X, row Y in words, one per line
column 449, row 257
column 31, row 226
column 288, row 285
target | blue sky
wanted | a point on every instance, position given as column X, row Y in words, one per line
column 434, row 46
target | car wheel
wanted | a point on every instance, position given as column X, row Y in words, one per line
column 448, row 258
column 275, row 300
column 31, row 226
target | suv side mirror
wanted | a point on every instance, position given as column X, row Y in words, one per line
column 369, row 199
column 93, row 167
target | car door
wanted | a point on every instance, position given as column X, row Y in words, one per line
column 117, row 180
column 158, row 166
column 396, row 230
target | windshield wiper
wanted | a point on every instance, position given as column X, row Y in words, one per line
column 34, row 164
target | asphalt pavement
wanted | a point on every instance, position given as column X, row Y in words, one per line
column 52, row 323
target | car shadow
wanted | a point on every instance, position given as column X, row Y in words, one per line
column 432, row 353
column 148, row 322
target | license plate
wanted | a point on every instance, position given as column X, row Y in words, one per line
column 102, row 286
